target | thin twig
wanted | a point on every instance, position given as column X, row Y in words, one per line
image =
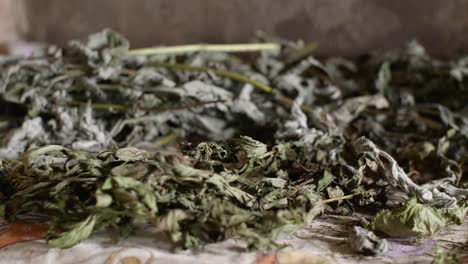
column 119, row 107
column 228, row 74
column 250, row 47
column 345, row 197
column 180, row 107
column 165, row 140
column 301, row 54
column 101, row 106
column 321, row 236
column 288, row 101
column 267, row 154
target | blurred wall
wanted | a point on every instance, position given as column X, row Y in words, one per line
column 347, row 27
column 12, row 21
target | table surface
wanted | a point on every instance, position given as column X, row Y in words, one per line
column 322, row 242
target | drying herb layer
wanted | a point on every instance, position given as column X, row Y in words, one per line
column 207, row 145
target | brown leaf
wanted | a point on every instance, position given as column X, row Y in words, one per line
column 265, row 258
column 19, row 232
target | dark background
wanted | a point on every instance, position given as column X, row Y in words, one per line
column 348, row 27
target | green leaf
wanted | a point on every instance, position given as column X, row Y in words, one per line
column 252, row 148
column 171, row 223
column 131, row 154
column 226, row 189
column 145, row 193
column 326, row 180
column 415, row 219
column 444, row 256
column 75, row 234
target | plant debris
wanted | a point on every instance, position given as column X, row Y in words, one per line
column 366, row 242
column 443, row 256
column 207, row 145
column 415, row 219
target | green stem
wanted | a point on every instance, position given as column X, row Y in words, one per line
column 233, row 76
column 228, row 74
column 119, row 107
column 165, row 140
column 206, row 47
column 101, row 106
column 345, row 197
column 301, row 54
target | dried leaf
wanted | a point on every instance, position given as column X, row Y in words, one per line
column 415, row 219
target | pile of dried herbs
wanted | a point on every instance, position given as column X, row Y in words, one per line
column 206, row 145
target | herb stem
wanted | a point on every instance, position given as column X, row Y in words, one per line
column 250, row 47
column 119, row 107
column 267, row 154
column 165, row 140
column 180, row 107
column 300, row 55
column 101, row 106
column 345, row 197
column 224, row 73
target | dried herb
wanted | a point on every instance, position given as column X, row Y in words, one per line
column 206, row 145
column 365, row 242
column 443, row 256
column 415, row 219
column 128, row 187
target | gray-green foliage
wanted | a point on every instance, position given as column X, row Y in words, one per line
column 366, row 242
column 265, row 143
column 444, row 256
column 192, row 198
column 415, row 219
